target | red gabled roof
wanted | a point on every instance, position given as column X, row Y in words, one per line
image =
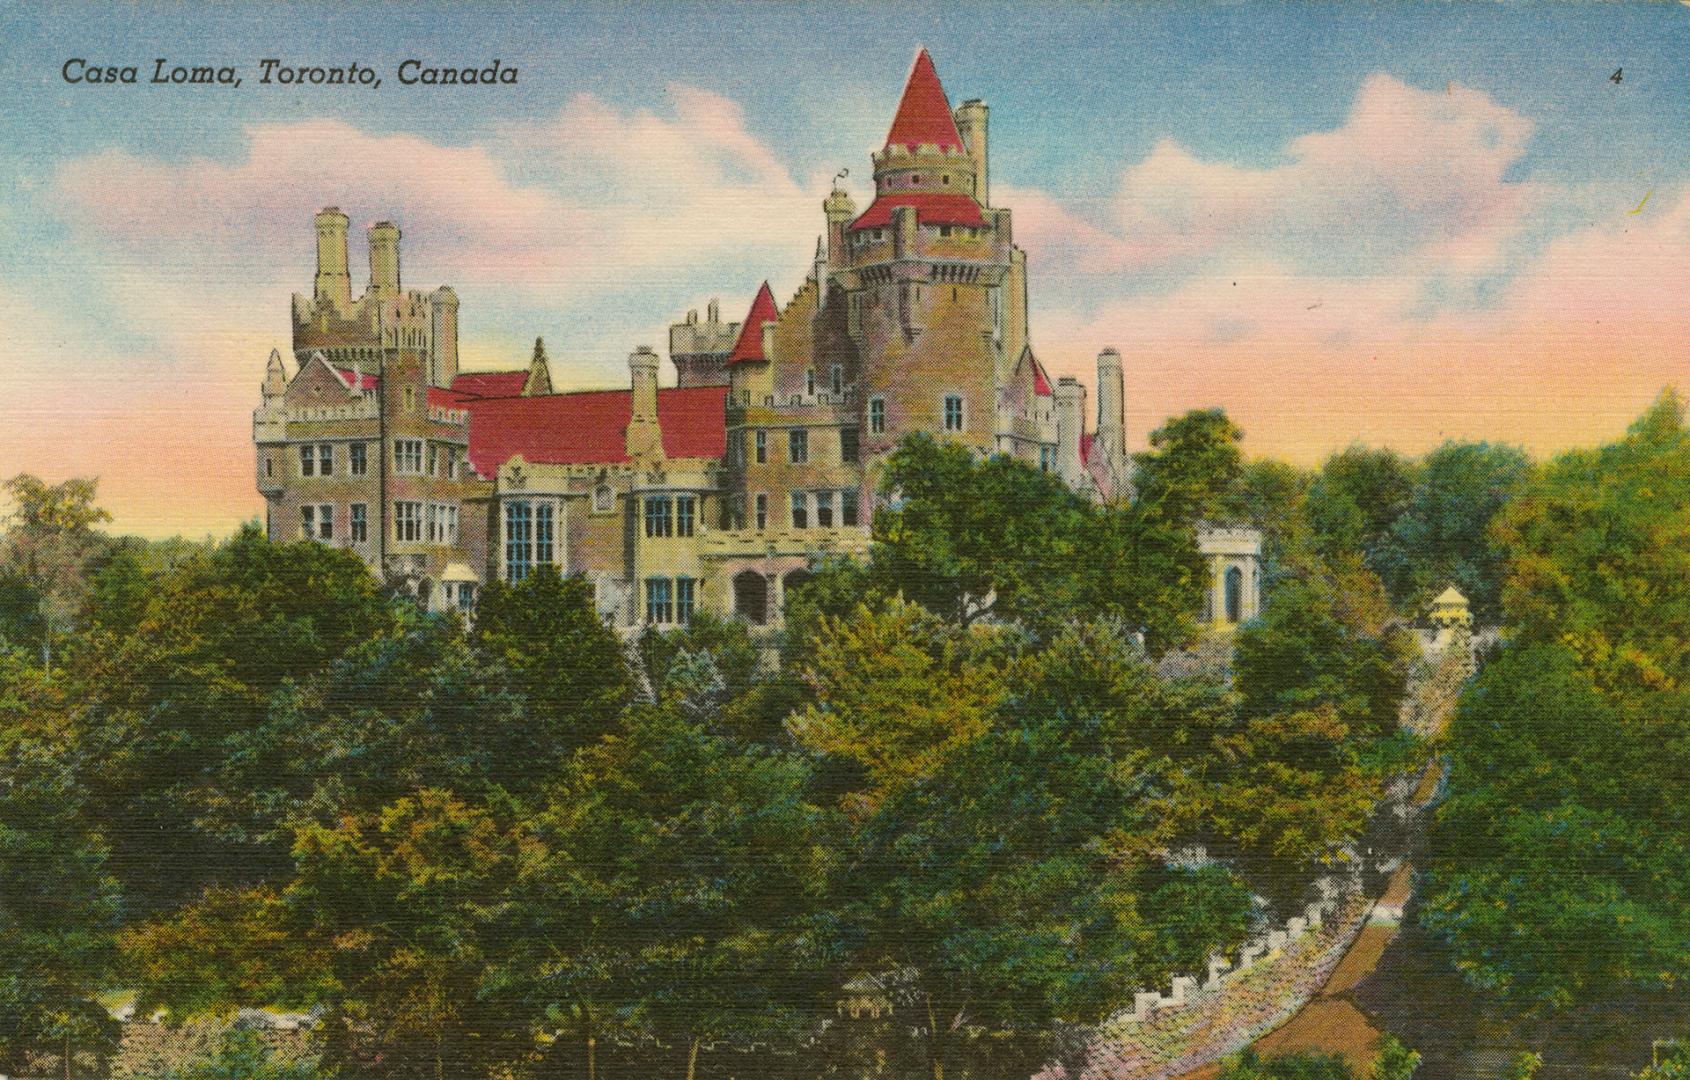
column 588, row 428
column 365, row 380
column 924, row 113
column 1041, row 381
column 490, row 383
column 930, row 209
column 749, row 346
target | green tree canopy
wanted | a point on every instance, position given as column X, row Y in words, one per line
column 1357, row 498
column 1560, row 856
column 561, row 655
column 1443, row 535
column 59, row 904
column 1193, row 467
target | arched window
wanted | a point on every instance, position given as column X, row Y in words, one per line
column 751, row 597
column 1234, row 594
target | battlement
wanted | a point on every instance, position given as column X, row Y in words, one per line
column 1229, row 540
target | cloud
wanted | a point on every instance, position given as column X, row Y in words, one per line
column 1413, row 182
column 605, row 196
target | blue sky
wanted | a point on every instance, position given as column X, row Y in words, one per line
column 1429, row 170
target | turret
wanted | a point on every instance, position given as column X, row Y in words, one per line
column 1110, row 443
column 644, row 437
column 971, row 125
column 1070, row 430
column 333, row 285
column 275, row 376
column 384, row 260
column 840, row 209
column 444, row 364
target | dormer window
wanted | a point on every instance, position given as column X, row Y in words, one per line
column 916, row 179
column 945, row 179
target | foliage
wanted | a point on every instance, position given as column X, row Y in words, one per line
column 1443, row 534
column 242, row 1055
column 1193, row 467
column 679, row 890
column 171, row 706
column 59, row 904
column 231, row 946
column 1560, row 855
column 1525, row 1066
column 567, row 663
column 1357, row 498
column 1002, row 884
column 1674, row 1064
column 407, row 988
column 966, row 538
column 1596, row 554
column 1394, row 1061
column 897, row 691
column 48, row 542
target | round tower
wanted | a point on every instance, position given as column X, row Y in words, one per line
column 384, row 260
column 1110, row 443
column 333, row 285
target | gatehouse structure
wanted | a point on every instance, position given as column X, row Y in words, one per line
column 717, row 493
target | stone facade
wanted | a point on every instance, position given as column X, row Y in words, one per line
column 718, row 494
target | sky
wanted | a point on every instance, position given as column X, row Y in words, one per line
column 1381, row 222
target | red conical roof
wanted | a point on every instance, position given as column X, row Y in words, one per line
column 750, row 343
column 924, row 114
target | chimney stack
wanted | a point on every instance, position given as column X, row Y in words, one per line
column 644, row 436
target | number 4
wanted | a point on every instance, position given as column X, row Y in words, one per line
column 1617, row 76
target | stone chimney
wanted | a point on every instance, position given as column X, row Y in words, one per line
column 1070, row 429
column 1111, row 424
column 644, row 436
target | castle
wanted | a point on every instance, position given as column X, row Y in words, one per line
column 718, row 493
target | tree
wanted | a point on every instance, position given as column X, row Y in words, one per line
column 1443, row 535
column 561, row 654
column 1559, row 855
column 1001, row 892
column 407, row 989
column 1592, row 557
column 49, row 540
column 1357, row 498
column 1298, row 1065
column 1560, row 858
column 1139, row 569
column 229, row 947
column 968, row 538
column 1394, row 1061
column 679, row 892
column 1193, row 467
column 170, row 706
column 59, row 907
column 897, row 691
